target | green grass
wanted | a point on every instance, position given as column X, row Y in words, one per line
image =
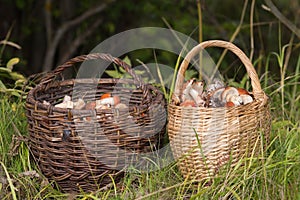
column 274, row 174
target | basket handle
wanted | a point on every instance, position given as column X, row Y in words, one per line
column 94, row 56
column 257, row 91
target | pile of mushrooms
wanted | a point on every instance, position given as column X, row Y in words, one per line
column 106, row 101
column 216, row 94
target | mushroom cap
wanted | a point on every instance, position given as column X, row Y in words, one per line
column 229, row 91
column 246, row 98
column 230, row 104
column 198, row 86
column 242, row 91
column 109, row 100
column 105, row 95
column 67, row 98
column 188, row 103
column 237, row 100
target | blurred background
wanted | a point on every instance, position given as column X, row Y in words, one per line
column 46, row 33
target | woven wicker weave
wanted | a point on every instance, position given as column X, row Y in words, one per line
column 82, row 155
column 204, row 139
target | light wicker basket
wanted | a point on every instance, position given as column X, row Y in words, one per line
column 205, row 139
column 85, row 156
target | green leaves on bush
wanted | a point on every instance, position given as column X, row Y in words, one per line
column 11, row 82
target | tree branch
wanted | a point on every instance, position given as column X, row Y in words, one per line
column 51, row 48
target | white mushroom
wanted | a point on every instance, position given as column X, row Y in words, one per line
column 198, row 86
column 193, row 90
column 108, row 101
column 67, row 98
column 246, row 98
column 46, row 103
column 70, row 104
column 67, row 104
column 235, row 99
column 194, row 94
column 186, row 90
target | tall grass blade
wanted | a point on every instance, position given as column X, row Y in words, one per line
column 10, row 182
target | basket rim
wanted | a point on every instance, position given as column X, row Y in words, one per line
column 42, row 86
column 50, row 76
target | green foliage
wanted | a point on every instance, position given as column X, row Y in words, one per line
column 19, row 177
column 119, row 72
column 11, row 82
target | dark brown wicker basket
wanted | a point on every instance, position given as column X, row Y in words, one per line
column 81, row 155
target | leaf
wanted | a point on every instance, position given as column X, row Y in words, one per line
column 244, row 81
column 19, row 82
column 2, row 86
column 10, row 64
column 139, row 72
column 113, row 73
column 17, row 76
column 190, row 74
column 5, row 70
column 281, row 124
column 127, row 60
column 122, row 70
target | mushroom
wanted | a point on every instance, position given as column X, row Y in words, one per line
column 229, row 92
column 105, row 95
column 193, row 90
column 67, row 98
column 215, row 99
column 46, row 103
column 198, row 86
column 110, row 100
column 197, row 92
column 235, row 99
column 188, row 103
column 246, row 98
column 229, row 104
column 186, row 90
column 242, row 91
column 67, row 103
